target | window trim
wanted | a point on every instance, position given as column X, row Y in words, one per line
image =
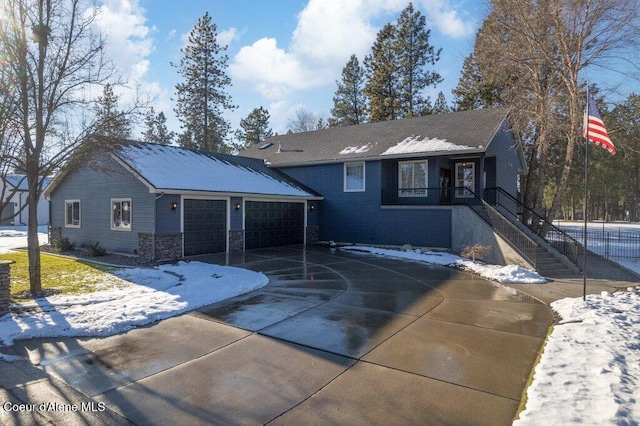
column 459, row 190
column 120, row 228
column 426, row 175
column 66, row 213
column 364, row 176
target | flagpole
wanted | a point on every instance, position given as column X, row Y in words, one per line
column 586, row 195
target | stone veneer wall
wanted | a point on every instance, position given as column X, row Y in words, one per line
column 313, row 233
column 168, row 246
column 55, row 232
column 236, row 241
column 5, row 286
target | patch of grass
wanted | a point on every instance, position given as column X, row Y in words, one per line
column 59, row 275
column 524, row 398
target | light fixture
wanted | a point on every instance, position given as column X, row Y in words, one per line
column 312, row 207
column 174, row 205
column 237, row 206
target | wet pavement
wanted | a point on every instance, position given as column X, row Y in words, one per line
column 335, row 337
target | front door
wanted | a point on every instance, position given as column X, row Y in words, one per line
column 445, row 186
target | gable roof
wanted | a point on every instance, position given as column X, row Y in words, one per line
column 19, row 181
column 171, row 169
column 174, row 169
column 458, row 132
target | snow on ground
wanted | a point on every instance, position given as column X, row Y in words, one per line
column 589, row 372
column 503, row 274
column 131, row 298
column 16, row 236
column 142, row 296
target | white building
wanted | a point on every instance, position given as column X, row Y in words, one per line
column 15, row 190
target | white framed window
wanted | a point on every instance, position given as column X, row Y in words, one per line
column 354, row 176
column 121, row 214
column 413, row 178
column 465, row 178
column 72, row 213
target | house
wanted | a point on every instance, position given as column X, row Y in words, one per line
column 415, row 181
column 167, row 202
column 14, row 191
column 405, row 181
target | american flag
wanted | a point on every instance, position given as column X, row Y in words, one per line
column 594, row 128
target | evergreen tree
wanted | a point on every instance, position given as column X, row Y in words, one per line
column 414, row 53
column 349, row 102
column 255, row 128
column 202, row 96
column 382, row 73
column 397, row 68
column 156, row 128
column 440, row 106
column 111, row 121
column 474, row 91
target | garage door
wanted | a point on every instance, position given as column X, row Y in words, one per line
column 269, row 224
column 205, row 226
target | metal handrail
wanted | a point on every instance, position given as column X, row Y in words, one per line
column 559, row 239
column 520, row 241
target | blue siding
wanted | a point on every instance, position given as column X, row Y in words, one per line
column 507, row 161
column 167, row 219
column 358, row 216
column 235, row 216
column 95, row 189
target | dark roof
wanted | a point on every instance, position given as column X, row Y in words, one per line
column 462, row 132
column 171, row 169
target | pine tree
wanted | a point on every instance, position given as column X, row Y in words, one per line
column 382, row 73
column 349, row 102
column 156, row 128
column 397, row 68
column 440, row 106
column 474, row 91
column 255, row 128
column 111, row 121
column 414, row 53
column 201, row 97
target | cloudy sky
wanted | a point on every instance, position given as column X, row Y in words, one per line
column 283, row 54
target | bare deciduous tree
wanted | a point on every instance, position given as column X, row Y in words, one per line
column 53, row 53
column 535, row 54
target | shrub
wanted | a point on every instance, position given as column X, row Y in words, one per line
column 62, row 244
column 95, row 250
column 476, row 251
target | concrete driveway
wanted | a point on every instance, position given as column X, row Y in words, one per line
column 335, row 338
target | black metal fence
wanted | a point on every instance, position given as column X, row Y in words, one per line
column 610, row 243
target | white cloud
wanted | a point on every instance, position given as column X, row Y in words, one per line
column 446, row 19
column 227, row 36
column 172, row 34
column 328, row 32
column 273, row 72
column 129, row 40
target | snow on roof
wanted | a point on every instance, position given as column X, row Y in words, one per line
column 355, row 149
column 173, row 168
column 415, row 144
column 19, row 181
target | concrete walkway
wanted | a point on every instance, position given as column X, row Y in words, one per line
column 335, row 338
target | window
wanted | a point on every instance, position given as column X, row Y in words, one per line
column 354, row 177
column 412, row 178
column 121, row 214
column 465, row 178
column 72, row 213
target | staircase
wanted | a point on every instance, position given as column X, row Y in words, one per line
column 548, row 265
column 538, row 252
